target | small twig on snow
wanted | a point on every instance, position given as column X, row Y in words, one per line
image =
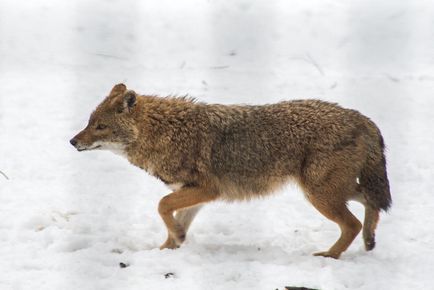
column 220, row 67
column 298, row 288
column 2, row 173
column 110, row 56
column 309, row 59
column 314, row 63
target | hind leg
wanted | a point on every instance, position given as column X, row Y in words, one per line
column 369, row 225
column 338, row 212
column 329, row 181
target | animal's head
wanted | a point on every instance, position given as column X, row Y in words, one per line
column 111, row 126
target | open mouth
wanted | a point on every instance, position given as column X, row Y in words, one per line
column 87, row 149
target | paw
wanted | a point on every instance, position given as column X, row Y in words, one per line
column 328, row 254
column 169, row 244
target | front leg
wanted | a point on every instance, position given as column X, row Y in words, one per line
column 183, row 198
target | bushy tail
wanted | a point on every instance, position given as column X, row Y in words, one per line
column 373, row 180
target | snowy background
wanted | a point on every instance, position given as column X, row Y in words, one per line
column 68, row 219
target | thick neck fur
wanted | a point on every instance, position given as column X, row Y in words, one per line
column 167, row 134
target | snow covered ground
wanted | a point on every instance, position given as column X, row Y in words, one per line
column 68, row 219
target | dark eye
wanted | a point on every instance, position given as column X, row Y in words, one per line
column 101, row 127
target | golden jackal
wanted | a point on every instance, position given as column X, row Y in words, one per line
column 238, row 152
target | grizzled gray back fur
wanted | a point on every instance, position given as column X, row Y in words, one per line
column 244, row 151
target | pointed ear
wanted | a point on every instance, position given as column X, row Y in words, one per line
column 130, row 100
column 118, row 89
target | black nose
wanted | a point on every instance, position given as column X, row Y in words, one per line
column 73, row 142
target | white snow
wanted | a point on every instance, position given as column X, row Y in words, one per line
column 67, row 219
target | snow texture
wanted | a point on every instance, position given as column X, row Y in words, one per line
column 68, row 219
